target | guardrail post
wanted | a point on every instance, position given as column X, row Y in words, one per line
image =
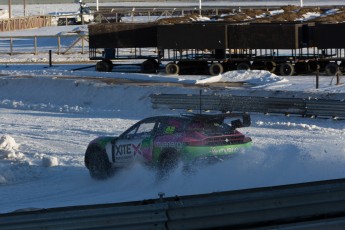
column 317, row 75
column 200, row 101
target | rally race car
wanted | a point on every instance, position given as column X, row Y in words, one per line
column 163, row 141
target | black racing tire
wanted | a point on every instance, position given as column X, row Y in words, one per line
column 287, row 69
column 96, row 160
column 271, row 66
column 104, row 66
column 172, row 68
column 331, row 69
column 168, row 162
column 243, row 66
column 149, row 66
column 216, row 69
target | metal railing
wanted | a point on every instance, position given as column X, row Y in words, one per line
column 225, row 103
column 21, row 23
column 60, row 44
column 310, row 205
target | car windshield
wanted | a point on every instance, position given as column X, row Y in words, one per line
column 210, row 127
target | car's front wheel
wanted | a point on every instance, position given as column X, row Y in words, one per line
column 97, row 162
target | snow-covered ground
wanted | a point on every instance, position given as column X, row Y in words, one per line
column 49, row 114
column 46, row 122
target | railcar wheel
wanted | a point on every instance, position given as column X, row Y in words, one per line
column 271, row 66
column 216, row 69
column 331, row 69
column 287, row 69
column 104, row 66
column 149, row 66
column 243, row 66
column 172, row 68
column 96, row 160
column 110, row 65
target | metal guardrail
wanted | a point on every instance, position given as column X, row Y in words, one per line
column 225, row 103
column 310, row 205
column 89, row 217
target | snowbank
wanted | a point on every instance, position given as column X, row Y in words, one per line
column 253, row 77
column 49, row 161
column 16, row 166
column 8, row 154
column 8, row 147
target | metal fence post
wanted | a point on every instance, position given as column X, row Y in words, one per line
column 35, row 44
column 338, row 76
column 59, row 44
column 11, row 46
column 50, row 58
column 82, row 44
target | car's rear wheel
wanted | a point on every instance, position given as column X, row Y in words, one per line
column 98, row 163
column 168, row 161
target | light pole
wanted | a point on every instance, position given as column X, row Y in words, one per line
column 9, row 9
column 24, row 8
column 200, row 7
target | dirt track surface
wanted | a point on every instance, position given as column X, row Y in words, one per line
column 124, row 81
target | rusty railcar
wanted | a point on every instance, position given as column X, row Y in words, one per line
column 215, row 47
column 193, row 47
column 113, row 38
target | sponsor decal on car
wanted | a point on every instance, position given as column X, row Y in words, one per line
column 223, row 150
column 169, row 144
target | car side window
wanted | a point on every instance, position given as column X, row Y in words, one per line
column 169, row 126
column 142, row 130
column 146, row 128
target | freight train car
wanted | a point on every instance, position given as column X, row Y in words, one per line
column 123, row 41
column 215, row 47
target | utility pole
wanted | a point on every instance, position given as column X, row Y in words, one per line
column 200, row 7
column 24, row 8
column 9, row 9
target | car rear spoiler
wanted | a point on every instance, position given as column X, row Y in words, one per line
column 246, row 120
